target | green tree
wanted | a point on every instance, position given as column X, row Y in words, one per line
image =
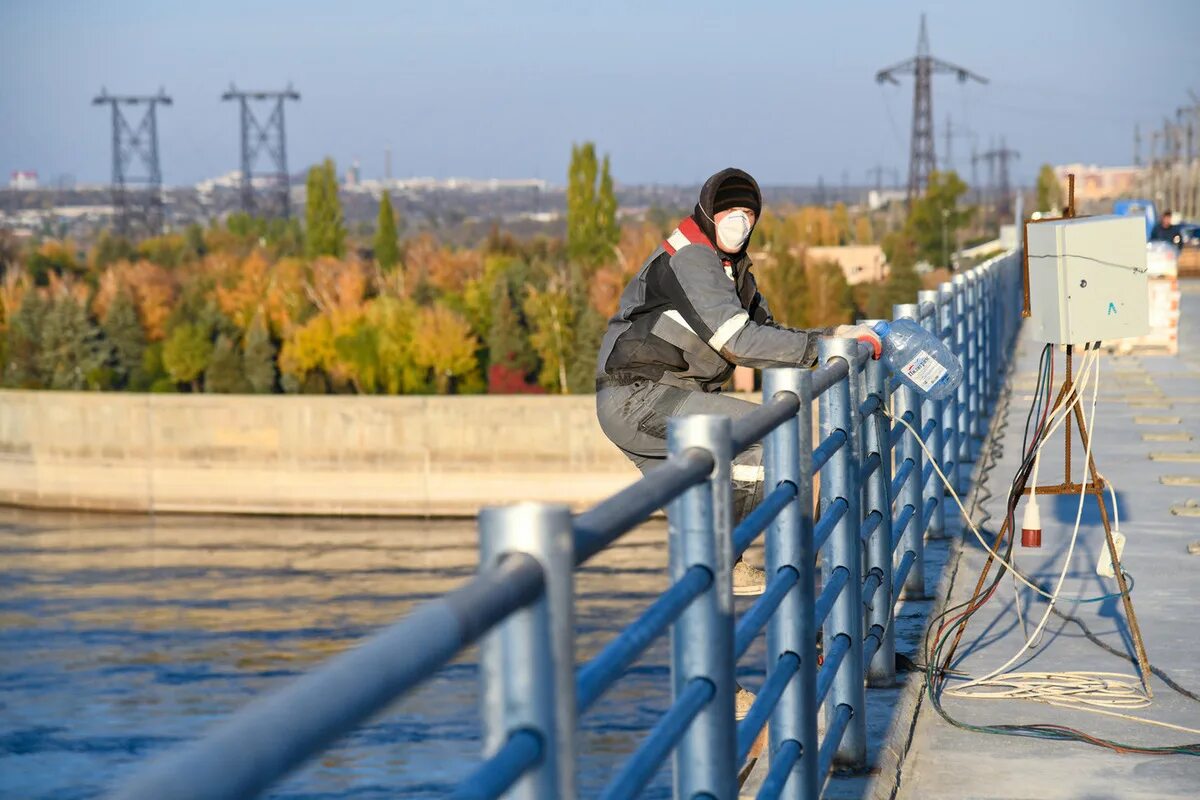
column 109, row 249
column 830, row 301
column 935, row 218
column 22, row 368
column 186, row 353
column 902, row 283
column 1049, row 190
column 387, row 249
column 325, row 228
column 224, row 374
column 73, row 351
column 124, row 333
column 258, row 359
column 551, row 316
column 784, row 283
column 510, row 358
column 592, row 229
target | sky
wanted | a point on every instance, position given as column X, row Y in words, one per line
column 672, row 91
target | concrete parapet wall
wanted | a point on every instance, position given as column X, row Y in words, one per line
column 302, row 454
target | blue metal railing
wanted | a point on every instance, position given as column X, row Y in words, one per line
column 877, row 503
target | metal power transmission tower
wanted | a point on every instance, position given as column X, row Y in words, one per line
column 137, row 196
column 921, row 160
column 997, row 160
column 270, row 137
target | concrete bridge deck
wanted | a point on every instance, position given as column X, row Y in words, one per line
column 1146, row 443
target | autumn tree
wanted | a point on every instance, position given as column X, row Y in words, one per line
column 862, row 231
column 592, row 229
column 444, row 345
column 551, row 317
column 387, row 248
column 325, row 229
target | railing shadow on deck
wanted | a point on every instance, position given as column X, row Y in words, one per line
column 878, row 501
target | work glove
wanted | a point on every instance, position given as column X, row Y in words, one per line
column 864, row 333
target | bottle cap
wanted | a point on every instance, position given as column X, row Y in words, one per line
column 883, row 328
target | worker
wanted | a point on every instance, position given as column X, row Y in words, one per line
column 1164, row 231
column 689, row 315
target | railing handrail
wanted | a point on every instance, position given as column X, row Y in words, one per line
column 277, row 732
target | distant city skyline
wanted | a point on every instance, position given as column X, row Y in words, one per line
column 671, row 92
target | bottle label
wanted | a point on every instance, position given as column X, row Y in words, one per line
column 923, row 370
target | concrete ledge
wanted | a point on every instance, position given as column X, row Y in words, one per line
column 302, row 454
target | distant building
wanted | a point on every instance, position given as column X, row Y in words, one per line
column 23, row 179
column 1098, row 184
column 353, row 175
column 860, row 263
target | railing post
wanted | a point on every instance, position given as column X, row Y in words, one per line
column 528, row 661
column 877, row 439
column 699, row 522
column 948, row 324
column 932, row 409
column 908, row 401
column 981, row 345
column 972, row 360
column 787, row 456
column 962, row 402
column 839, row 480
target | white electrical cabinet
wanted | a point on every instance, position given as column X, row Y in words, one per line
column 1087, row 279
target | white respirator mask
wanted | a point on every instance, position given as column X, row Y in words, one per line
column 733, row 230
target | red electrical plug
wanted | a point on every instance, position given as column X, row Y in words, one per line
column 1031, row 528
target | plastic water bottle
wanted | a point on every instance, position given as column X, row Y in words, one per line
column 919, row 358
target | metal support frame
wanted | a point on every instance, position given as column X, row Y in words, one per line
column 137, row 197
column 787, row 456
column 527, row 661
column 269, row 137
column 699, row 523
column 839, row 481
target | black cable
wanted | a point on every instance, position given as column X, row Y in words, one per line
column 935, row 677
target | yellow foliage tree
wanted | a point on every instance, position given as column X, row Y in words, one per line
column 551, row 319
column 443, row 344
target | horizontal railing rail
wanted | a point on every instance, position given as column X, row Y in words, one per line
column 878, row 502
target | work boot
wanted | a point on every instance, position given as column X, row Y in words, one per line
column 742, row 700
column 748, row 581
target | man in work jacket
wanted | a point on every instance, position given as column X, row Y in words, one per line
column 686, row 319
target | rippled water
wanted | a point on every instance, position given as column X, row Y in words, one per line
column 122, row 635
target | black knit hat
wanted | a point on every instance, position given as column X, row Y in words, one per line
column 743, row 192
column 737, row 191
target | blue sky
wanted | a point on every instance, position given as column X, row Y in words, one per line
column 673, row 91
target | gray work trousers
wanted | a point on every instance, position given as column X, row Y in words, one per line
column 634, row 418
